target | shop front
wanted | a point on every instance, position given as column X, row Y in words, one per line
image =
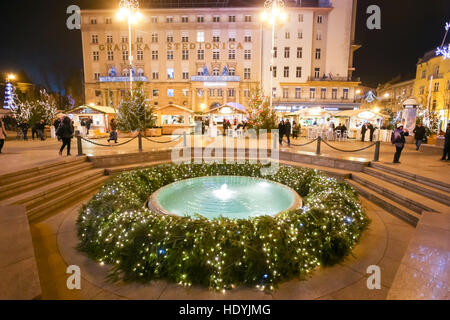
column 355, row 119
column 173, row 117
column 233, row 112
column 98, row 116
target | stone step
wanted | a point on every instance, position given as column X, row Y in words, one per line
column 411, row 176
column 387, row 204
column 58, row 203
column 427, row 191
column 33, row 200
column 16, row 188
column 405, row 197
column 33, row 172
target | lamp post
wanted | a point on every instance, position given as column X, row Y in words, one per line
column 273, row 13
column 129, row 9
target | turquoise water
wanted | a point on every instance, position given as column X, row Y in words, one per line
column 227, row 196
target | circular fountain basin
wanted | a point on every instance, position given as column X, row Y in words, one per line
column 232, row 197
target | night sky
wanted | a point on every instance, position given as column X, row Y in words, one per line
column 35, row 38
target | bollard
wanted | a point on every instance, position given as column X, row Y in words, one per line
column 376, row 158
column 79, row 143
column 140, row 141
column 319, row 140
column 184, row 139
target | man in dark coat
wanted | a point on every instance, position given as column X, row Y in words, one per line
column 419, row 135
column 24, row 126
column 398, row 139
column 88, row 125
column 40, row 128
column 447, row 144
column 363, row 132
column 281, row 131
column 287, row 131
column 371, row 131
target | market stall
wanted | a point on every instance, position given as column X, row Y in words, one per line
column 231, row 111
column 99, row 115
column 355, row 120
column 313, row 121
column 173, row 117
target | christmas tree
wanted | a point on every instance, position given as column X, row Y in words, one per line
column 261, row 115
column 135, row 112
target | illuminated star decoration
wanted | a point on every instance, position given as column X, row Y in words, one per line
column 371, row 97
column 442, row 50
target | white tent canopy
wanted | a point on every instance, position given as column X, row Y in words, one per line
column 361, row 114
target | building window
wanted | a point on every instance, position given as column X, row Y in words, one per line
column 247, row 54
column 299, row 53
column 300, row 34
column 287, row 35
column 275, row 52
column 185, row 55
column 93, row 20
column 422, row 90
column 185, row 92
column 200, row 19
column 274, row 71
column 155, row 55
column 185, row 75
column 155, row 75
column 155, row 92
column 248, row 39
column 345, row 94
column 436, row 86
column 287, row 52
column 154, row 19
column 200, row 92
column 184, row 19
column 424, row 74
column 312, row 93
column 170, row 92
column 169, row 19
column 448, row 85
column 318, row 54
column 169, row 55
column 433, row 106
column 231, row 92
column 212, row 92
column 248, row 19
column 319, row 19
column 140, row 73
column 124, row 39
column 110, row 55
column 220, row 92
column 232, row 72
column 231, row 18
column 232, row 37
column 200, row 36
column 298, row 72
column 185, row 39
column 96, row 76
column 319, row 35
column 154, row 37
column 247, row 73
column 108, row 20
column 285, row 93
column 170, row 73
column 298, row 93
column 139, row 39
column 109, row 39
column 216, row 19
column 95, row 39
column 231, row 54
column 323, row 93
column 246, row 93
column 140, row 55
column 274, row 92
column 216, row 55
column 334, row 92
column 95, row 55
column 286, row 72
column 170, row 38
column 125, row 55
column 200, row 54
column 216, row 72
column 300, row 17
column 317, row 73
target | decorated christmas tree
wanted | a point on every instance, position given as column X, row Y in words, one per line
column 261, row 115
column 135, row 112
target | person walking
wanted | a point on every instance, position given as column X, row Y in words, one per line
column 287, row 131
column 447, row 144
column 419, row 135
column 34, row 131
column 371, row 128
column 398, row 139
column 281, row 131
column 88, row 125
column 295, row 130
column 56, row 124
column 363, row 132
column 40, row 128
column 113, row 134
column 24, row 128
column 2, row 134
column 65, row 132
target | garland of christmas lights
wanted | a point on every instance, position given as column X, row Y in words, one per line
column 115, row 228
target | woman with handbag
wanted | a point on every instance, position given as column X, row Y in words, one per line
column 65, row 132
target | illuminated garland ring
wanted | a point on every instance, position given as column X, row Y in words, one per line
column 115, row 228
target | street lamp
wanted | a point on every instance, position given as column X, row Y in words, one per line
column 273, row 13
column 10, row 77
column 129, row 9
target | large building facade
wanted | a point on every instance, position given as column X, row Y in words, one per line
column 199, row 58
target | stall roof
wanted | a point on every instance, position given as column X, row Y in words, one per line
column 318, row 112
column 102, row 109
column 234, row 105
column 353, row 113
column 175, row 106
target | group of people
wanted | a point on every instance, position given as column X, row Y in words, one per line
column 367, row 127
column 37, row 130
column 285, row 128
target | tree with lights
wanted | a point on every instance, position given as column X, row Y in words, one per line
column 135, row 112
column 260, row 114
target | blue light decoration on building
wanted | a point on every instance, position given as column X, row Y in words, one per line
column 442, row 50
column 225, row 71
column 370, row 97
column 205, row 71
column 9, row 96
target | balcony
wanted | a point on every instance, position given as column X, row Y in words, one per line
column 215, row 78
column 436, row 76
column 123, row 79
column 332, row 78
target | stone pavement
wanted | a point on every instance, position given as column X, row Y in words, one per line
column 19, row 155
